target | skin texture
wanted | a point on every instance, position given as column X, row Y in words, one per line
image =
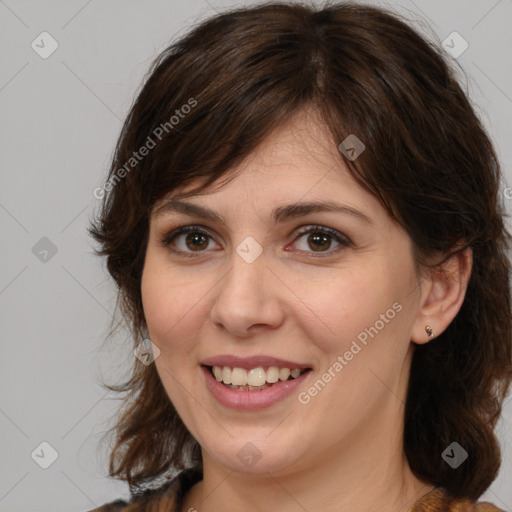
column 301, row 300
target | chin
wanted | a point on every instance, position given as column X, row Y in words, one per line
column 258, row 456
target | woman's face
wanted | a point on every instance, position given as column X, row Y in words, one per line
column 268, row 280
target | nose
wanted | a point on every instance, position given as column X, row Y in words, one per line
column 247, row 299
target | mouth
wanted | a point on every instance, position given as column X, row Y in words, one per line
column 255, row 382
column 254, row 379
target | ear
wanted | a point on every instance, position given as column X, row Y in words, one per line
column 443, row 292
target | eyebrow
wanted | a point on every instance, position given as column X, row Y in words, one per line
column 278, row 215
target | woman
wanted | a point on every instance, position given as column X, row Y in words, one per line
column 302, row 218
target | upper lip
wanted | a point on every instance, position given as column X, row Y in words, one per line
column 252, row 362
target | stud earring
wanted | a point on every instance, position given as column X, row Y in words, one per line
column 429, row 331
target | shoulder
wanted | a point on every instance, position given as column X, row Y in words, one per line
column 167, row 497
column 438, row 500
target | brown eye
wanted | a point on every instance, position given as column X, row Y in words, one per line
column 188, row 240
column 318, row 239
column 196, row 241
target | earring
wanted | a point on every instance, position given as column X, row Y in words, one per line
column 429, row 331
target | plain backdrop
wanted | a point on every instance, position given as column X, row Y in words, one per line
column 60, row 117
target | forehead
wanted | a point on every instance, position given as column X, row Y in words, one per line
column 278, row 183
column 302, row 142
column 299, row 157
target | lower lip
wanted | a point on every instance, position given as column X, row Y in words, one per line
column 248, row 400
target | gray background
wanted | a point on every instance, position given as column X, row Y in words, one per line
column 59, row 120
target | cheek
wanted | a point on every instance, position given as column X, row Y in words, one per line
column 344, row 308
column 170, row 305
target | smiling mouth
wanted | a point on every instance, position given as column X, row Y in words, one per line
column 254, row 379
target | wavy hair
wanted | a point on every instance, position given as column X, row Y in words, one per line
column 428, row 159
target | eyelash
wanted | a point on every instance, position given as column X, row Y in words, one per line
column 343, row 240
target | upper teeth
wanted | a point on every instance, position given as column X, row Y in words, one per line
column 254, row 377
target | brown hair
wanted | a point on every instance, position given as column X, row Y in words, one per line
column 428, row 159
